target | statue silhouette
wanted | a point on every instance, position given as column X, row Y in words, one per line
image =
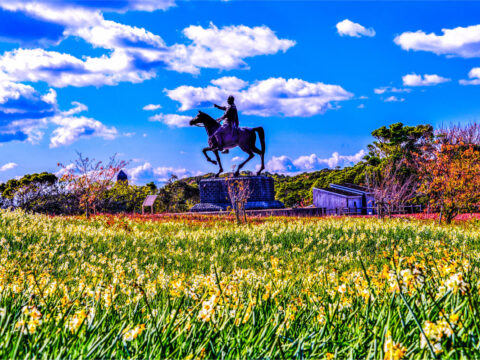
column 229, row 130
column 221, row 138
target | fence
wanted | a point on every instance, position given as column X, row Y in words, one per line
column 405, row 209
column 317, row 211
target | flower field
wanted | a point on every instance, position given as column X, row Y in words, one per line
column 207, row 288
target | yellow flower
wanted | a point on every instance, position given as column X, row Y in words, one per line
column 76, row 321
column 208, row 309
column 393, row 351
column 130, row 334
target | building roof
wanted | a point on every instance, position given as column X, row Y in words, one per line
column 122, row 176
column 352, row 187
column 356, row 187
column 338, row 192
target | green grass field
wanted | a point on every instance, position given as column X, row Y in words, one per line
column 280, row 288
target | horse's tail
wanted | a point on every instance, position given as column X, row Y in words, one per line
column 261, row 136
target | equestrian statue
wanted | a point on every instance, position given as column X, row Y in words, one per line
column 229, row 135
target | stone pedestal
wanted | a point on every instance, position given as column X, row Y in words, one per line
column 214, row 194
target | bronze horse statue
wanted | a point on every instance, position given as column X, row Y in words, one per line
column 245, row 140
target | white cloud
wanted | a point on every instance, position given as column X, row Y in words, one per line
column 349, row 28
column 123, row 6
column 390, row 89
column 24, row 111
column 280, row 164
column 78, row 108
column 283, row 164
column 54, row 8
column 8, row 166
column 313, row 161
column 141, row 173
column 15, row 91
column 307, row 162
column 164, row 173
column 172, row 120
column 237, row 159
column 134, row 53
column 108, row 34
column 271, row 97
column 61, row 70
column 74, row 128
column 54, row 11
column 461, row 41
column 394, row 99
column 146, row 172
column 229, row 83
column 151, row 107
column 225, row 48
column 474, row 76
column 88, row 23
column 361, row 106
column 426, row 80
column 150, row 5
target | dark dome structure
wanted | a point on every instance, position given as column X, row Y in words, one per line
column 122, row 176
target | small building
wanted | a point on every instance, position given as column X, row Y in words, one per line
column 337, row 201
column 368, row 201
column 122, row 176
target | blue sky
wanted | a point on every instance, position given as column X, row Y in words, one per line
column 318, row 76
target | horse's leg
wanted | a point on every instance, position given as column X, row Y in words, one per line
column 208, row 157
column 262, row 156
column 219, row 162
column 250, row 156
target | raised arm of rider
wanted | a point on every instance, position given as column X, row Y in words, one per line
column 220, row 107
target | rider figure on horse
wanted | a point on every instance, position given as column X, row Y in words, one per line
column 227, row 133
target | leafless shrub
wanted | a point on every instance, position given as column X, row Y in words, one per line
column 239, row 192
column 458, row 134
column 390, row 191
column 89, row 179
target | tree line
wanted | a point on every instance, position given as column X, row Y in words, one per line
column 87, row 187
column 405, row 165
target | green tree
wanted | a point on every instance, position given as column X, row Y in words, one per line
column 178, row 195
column 32, row 192
column 122, row 198
column 399, row 144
